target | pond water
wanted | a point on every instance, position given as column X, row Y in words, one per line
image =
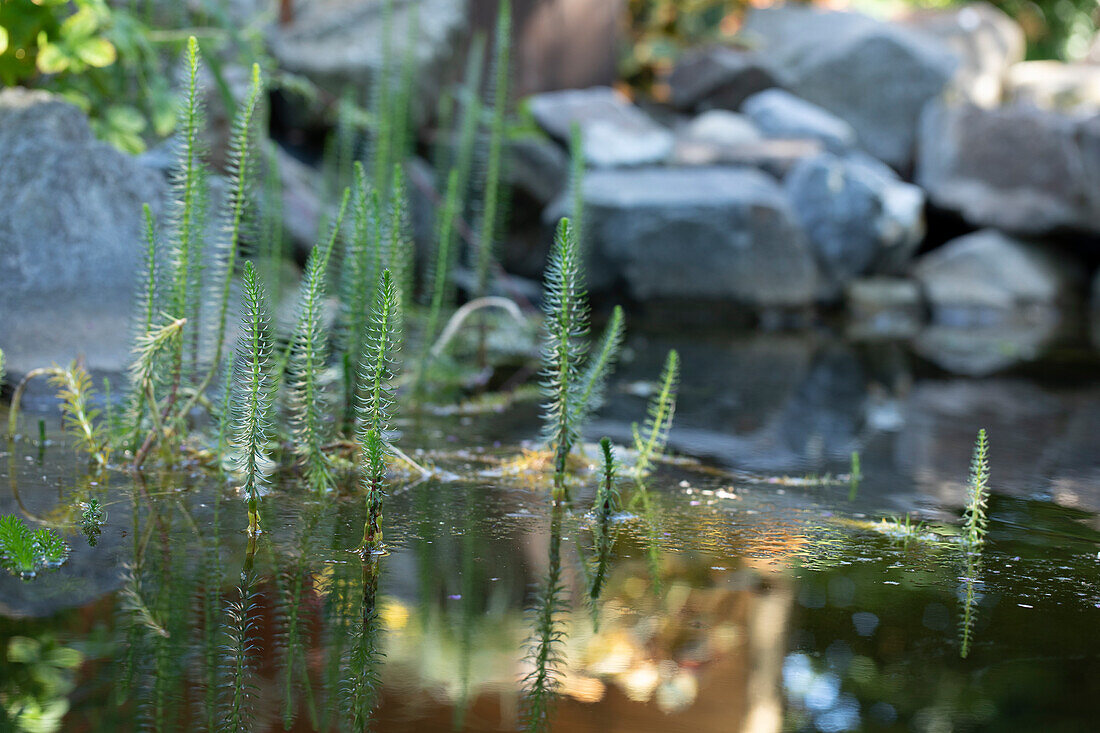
column 724, row 597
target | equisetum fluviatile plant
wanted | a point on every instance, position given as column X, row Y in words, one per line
column 650, row 441
column 377, row 366
column 970, row 594
column 309, row 356
column 253, row 396
column 976, row 521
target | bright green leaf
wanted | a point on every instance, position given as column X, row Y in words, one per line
column 80, row 25
column 3, row 39
column 97, row 52
column 51, row 59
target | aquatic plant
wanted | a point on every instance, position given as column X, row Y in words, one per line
column 566, row 308
column 975, row 519
column 439, row 276
column 607, row 495
column 601, row 363
column 25, row 552
column 576, row 180
column 252, row 398
column 308, row 356
column 400, row 249
column 650, row 441
column 363, row 262
column 492, row 204
column 92, row 518
column 377, row 366
column 76, row 393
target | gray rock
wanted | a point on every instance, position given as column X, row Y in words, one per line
column 780, row 114
column 697, row 234
column 876, row 76
column 985, row 39
column 71, row 235
column 884, row 307
column 857, row 214
column 989, row 279
column 537, row 167
column 614, row 132
column 1053, row 85
column 721, row 127
column 775, row 157
column 339, row 44
column 717, row 77
column 978, row 350
column 1015, row 168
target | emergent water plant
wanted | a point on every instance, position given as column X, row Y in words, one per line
column 975, row 519
column 25, row 552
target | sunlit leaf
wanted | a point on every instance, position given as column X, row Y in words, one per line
column 3, row 39
column 51, row 59
column 98, row 52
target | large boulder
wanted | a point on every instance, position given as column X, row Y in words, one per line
column 1017, row 168
column 71, row 235
column 877, row 76
column 780, row 114
column 613, row 131
column 985, row 39
column 989, row 278
column 857, row 214
column 697, row 234
column 342, row 44
column 717, row 77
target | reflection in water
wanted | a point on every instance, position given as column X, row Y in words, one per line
column 547, row 636
column 969, row 596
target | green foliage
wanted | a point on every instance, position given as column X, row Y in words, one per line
column 363, row 262
column 975, row 519
column 970, row 595
column 572, row 394
column 25, row 552
column 239, row 650
column 566, row 308
column 607, row 495
column 576, row 179
column 491, row 220
column 660, row 29
column 92, row 518
column 240, row 172
column 91, row 52
column 76, row 394
column 400, row 248
column 378, row 367
column 439, row 277
column 253, row 396
column 600, row 365
column 650, row 441
column 309, row 356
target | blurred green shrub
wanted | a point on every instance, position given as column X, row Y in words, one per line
column 94, row 55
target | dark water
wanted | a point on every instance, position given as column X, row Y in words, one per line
column 721, row 599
